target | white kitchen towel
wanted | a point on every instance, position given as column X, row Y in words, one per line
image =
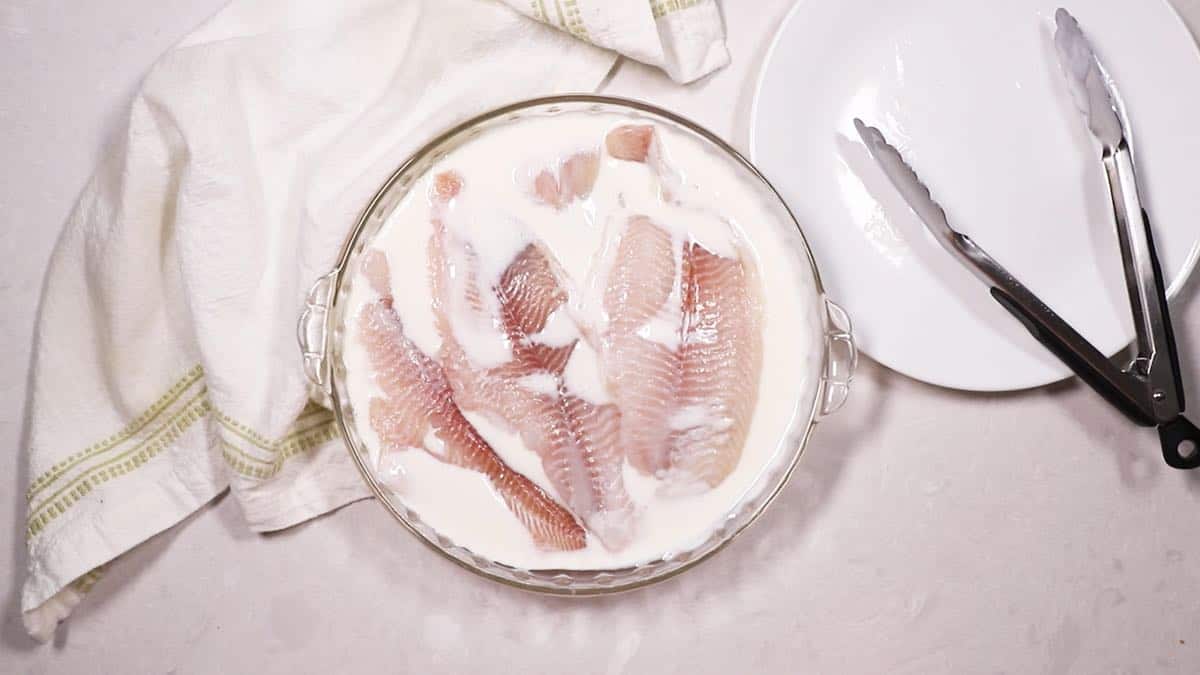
column 166, row 368
column 683, row 37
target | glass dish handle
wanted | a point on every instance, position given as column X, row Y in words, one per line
column 841, row 360
column 312, row 332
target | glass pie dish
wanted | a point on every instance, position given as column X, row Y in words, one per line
column 827, row 353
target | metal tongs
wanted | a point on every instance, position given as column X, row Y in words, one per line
column 1148, row 389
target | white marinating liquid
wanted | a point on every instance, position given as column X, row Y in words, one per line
column 497, row 167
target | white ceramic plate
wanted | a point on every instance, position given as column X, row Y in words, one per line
column 971, row 93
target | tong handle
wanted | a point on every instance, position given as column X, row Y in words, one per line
column 1077, row 353
column 1168, row 331
column 1180, row 438
column 1155, row 363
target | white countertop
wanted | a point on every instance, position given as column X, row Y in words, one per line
column 926, row 530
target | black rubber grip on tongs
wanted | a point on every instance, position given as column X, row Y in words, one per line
column 1168, row 327
column 1180, row 443
column 1074, row 361
column 1180, row 438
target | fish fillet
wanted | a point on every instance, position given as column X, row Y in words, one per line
column 574, row 180
column 722, row 360
column 682, row 354
column 630, row 142
column 417, row 399
column 576, row 440
column 643, row 373
column 639, row 143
